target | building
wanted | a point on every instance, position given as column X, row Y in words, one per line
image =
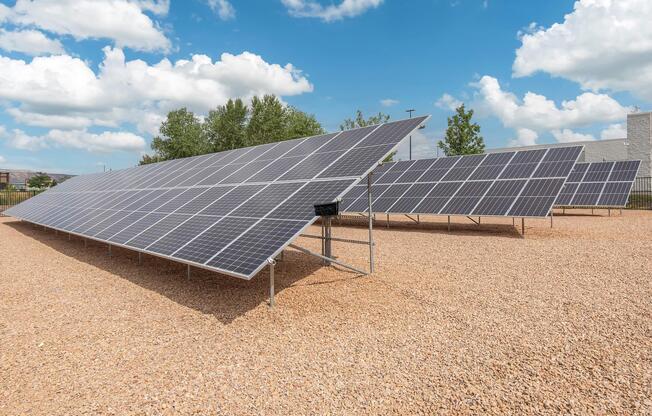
column 636, row 146
column 19, row 178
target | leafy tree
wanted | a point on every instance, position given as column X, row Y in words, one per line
column 462, row 136
column 11, row 187
column 300, row 124
column 267, row 121
column 181, row 135
column 225, row 127
column 230, row 126
column 360, row 121
column 147, row 159
column 39, row 181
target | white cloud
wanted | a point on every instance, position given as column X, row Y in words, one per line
column 614, row 131
column 64, row 92
column 448, row 102
column 77, row 139
column 223, row 8
column 569, row 136
column 602, row 44
column 122, row 21
column 538, row 113
column 30, row 42
column 331, row 12
column 2, row 159
column 388, row 102
column 524, row 137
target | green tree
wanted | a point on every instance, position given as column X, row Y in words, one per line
column 147, row 159
column 39, row 181
column 267, row 121
column 300, row 124
column 181, row 135
column 462, row 136
column 11, row 187
column 225, row 127
column 360, row 121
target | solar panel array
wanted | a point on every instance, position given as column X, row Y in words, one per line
column 514, row 184
column 227, row 211
column 599, row 184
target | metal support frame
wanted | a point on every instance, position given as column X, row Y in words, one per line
column 110, row 254
column 342, row 240
column 188, row 272
column 371, row 226
column 272, row 263
column 388, row 221
column 416, row 221
column 346, row 266
column 449, row 223
column 69, row 236
column 474, row 221
column 523, row 226
column 140, row 258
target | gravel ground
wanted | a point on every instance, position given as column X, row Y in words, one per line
column 476, row 321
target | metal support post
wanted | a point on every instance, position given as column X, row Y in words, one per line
column 418, row 219
column 188, row 272
column 563, row 210
column 609, row 211
column 327, row 241
column 110, row 254
column 513, row 221
column 523, row 226
column 479, row 219
column 371, row 227
column 449, row 223
column 591, row 211
column 271, row 282
column 387, row 220
column 552, row 214
column 140, row 258
column 69, row 236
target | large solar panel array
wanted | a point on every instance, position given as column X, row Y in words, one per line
column 227, row 211
column 599, row 184
column 513, row 184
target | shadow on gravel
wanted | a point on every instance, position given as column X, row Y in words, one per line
column 224, row 297
column 458, row 227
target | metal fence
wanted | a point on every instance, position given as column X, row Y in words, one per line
column 10, row 198
column 641, row 197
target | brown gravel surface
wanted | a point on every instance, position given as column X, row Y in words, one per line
column 475, row 321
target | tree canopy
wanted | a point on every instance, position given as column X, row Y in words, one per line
column 360, row 121
column 462, row 136
column 230, row 126
column 40, row 181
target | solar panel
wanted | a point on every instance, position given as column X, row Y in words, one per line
column 513, row 184
column 227, row 211
column 599, row 184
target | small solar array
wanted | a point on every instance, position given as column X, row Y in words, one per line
column 229, row 211
column 513, row 184
column 599, row 184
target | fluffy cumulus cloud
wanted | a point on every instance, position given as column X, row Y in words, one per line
column 448, row 102
column 123, row 21
column 330, row 12
column 223, row 8
column 388, row 102
column 535, row 113
column 30, row 42
column 569, row 136
column 423, row 147
column 77, row 139
column 63, row 92
column 602, row 45
column 614, row 131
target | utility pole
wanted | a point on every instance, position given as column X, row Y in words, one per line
column 410, row 111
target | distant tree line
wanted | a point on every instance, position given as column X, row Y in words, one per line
column 267, row 120
column 230, row 126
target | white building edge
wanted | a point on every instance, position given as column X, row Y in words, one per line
column 637, row 145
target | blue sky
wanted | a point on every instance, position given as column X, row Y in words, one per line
column 85, row 85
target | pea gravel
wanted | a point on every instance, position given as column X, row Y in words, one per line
column 476, row 321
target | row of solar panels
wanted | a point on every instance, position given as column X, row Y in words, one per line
column 229, row 211
column 496, row 184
